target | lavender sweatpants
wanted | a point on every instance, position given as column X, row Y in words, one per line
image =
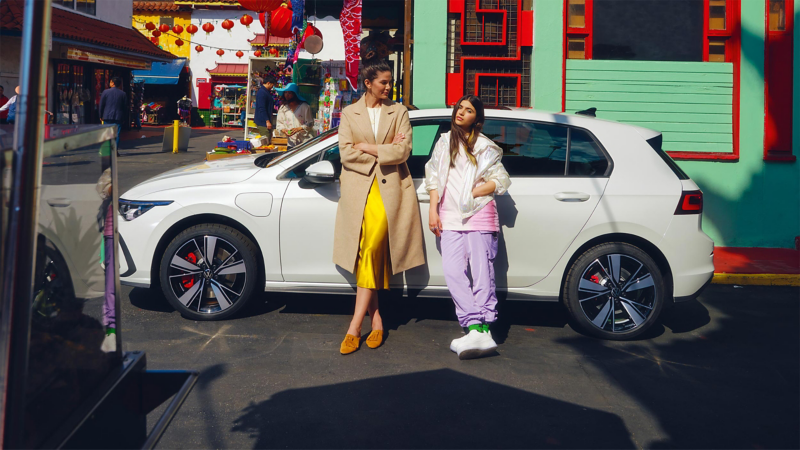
column 465, row 252
column 110, row 301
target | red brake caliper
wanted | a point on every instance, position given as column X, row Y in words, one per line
column 188, row 280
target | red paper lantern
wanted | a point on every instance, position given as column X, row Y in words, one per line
column 177, row 29
column 163, row 28
column 154, row 40
column 257, row 54
column 246, row 20
column 150, row 26
column 239, row 54
column 208, row 27
column 312, row 40
column 198, row 48
column 280, row 22
column 261, row 6
column 178, row 42
column 227, row 24
column 191, row 29
column 220, row 52
column 273, row 51
column 156, row 33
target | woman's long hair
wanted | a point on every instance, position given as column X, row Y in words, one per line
column 460, row 137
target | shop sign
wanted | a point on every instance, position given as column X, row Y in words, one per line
column 99, row 58
column 202, row 80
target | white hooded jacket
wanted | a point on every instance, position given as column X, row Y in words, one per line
column 488, row 168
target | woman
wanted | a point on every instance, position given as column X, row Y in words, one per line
column 378, row 230
column 294, row 120
column 463, row 176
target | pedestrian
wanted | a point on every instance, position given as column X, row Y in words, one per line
column 265, row 108
column 378, row 229
column 294, row 120
column 105, row 220
column 3, row 101
column 10, row 108
column 463, row 176
column 113, row 106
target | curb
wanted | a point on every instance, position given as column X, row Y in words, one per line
column 757, row 279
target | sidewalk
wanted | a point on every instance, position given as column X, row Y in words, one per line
column 757, row 266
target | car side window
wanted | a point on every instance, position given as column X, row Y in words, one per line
column 530, row 149
column 586, row 159
column 424, row 135
column 331, row 154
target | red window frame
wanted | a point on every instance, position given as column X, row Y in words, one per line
column 778, row 88
column 732, row 36
column 478, row 77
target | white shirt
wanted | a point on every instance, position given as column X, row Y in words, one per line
column 299, row 118
column 374, row 120
column 9, row 103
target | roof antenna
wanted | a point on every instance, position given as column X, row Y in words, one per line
column 588, row 112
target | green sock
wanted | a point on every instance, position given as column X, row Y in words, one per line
column 485, row 328
column 110, row 331
column 476, row 326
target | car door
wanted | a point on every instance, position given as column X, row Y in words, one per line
column 549, row 201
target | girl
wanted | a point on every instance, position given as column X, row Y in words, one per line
column 294, row 120
column 462, row 177
column 378, row 228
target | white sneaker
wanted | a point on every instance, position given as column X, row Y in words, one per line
column 475, row 345
column 456, row 342
column 109, row 343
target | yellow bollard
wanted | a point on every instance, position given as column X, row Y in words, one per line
column 176, row 127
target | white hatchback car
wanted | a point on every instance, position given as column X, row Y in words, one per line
column 597, row 217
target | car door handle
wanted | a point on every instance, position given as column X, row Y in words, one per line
column 572, row 196
column 59, row 202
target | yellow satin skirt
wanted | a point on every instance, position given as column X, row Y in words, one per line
column 372, row 269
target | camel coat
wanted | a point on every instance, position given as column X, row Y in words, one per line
column 394, row 181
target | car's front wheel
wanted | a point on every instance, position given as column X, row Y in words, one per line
column 614, row 291
column 208, row 271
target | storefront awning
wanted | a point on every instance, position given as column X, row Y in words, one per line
column 161, row 73
column 225, row 70
column 261, row 40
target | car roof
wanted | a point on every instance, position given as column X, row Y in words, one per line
column 579, row 120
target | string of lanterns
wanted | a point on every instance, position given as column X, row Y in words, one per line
column 208, row 27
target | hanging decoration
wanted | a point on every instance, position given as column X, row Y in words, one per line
column 239, row 54
column 350, row 20
column 150, row 26
column 246, row 20
column 298, row 11
column 191, row 29
column 178, row 42
column 208, row 27
column 163, row 28
column 312, row 40
column 156, row 34
column 257, row 54
column 198, row 48
column 227, row 24
column 177, row 29
column 280, row 22
column 154, row 40
column 260, row 6
column 273, row 51
column 220, row 52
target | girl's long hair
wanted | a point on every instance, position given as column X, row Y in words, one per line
column 460, row 137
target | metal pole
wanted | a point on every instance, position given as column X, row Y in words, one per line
column 407, row 53
column 20, row 257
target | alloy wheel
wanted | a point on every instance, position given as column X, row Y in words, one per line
column 617, row 293
column 207, row 274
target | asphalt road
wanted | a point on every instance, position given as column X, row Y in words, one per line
column 720, row 372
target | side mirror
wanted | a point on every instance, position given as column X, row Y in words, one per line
column 320, row 173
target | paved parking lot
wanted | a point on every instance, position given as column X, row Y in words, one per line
column 720, row 372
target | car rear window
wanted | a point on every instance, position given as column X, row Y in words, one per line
column 655, row 143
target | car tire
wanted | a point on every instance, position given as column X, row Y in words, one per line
column 614, row 274
column 203, row 291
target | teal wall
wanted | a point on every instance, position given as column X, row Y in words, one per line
column 689, row 102
column 548, row 54
column 429, row 54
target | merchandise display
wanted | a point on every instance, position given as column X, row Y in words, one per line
column 334, row 96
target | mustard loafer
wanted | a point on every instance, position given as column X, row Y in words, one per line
column 375, row 339
column 350, row 344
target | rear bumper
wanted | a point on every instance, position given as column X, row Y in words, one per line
column 688, row 298
column 690, row 253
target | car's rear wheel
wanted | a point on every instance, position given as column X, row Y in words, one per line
column 208, row 272
column 614, row 291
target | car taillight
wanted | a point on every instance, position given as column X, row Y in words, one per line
column 691, row 203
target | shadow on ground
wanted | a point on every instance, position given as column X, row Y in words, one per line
column 733, row 384
column 435, row 409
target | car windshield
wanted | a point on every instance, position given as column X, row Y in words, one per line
column 270, row 159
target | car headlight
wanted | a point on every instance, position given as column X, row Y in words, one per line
column 130, row 209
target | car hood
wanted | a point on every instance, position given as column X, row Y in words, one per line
column 206, row 173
